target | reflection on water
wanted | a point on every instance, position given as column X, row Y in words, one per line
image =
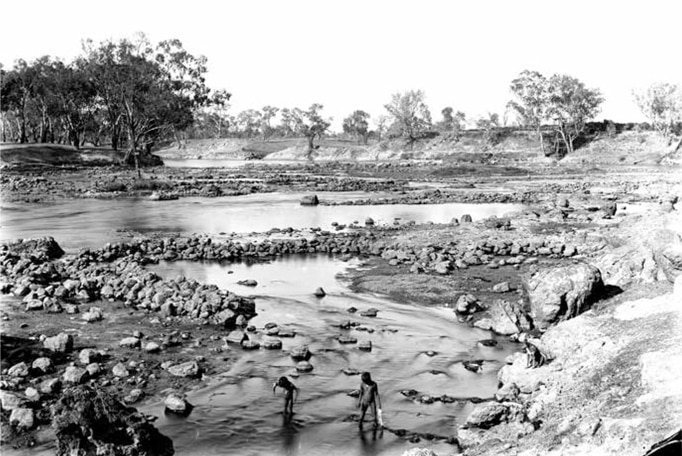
column 92, row 222
column 238, row 414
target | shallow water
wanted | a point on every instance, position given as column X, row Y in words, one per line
column 238, row 414
column 94, row 222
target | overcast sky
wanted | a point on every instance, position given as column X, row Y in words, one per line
column 353, row 54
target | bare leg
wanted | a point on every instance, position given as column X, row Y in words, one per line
column 362, row 415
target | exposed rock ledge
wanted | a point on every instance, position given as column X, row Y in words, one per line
column 613, row 387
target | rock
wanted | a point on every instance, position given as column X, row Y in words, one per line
column 562, row 202
column 152, row 347
column 227, row 318
column 188, row 369
column 454, row 221
column 250, row 345
column 134, row 396
column 369, row 221
column 120, row 371
column 310, row 200
column 130, row 342
column 473, row 366
column 507, row 393
column 304, row 366
column 34, row 305
column 467, row 304
column 502, row 287
column 176, row 403
column 18, row 370
column 489, row 414
column 371, row 312
column 92, row 421
column 343, row 339
column 61, row 343
column 466, row 218
column 50, row 386
column 93, row 369
column 32, row 394
column 442, row 267
column 11, row 401
column 71, row 309
column 272, row 344
column 75, row 375
column 43, row 365
column 503, row 318
column 236, row 337
column 301, row 353
column 320, row 293
column 562, row 292
column 365, row 346
column 89, row 355
column 248, row 283
column 22, row 418
column 609, row 209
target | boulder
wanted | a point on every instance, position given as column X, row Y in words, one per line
column 365, row 346
column 152, row 347
column 61, row 343
column 11, row 401
column 89, row 355
column 120, row 371
column 489, row 414
column 188, row 369
column 92, row 421
column 92, row 315
column 130, row 342
column 467, row 304
column 18, row 370
column 272, row 344
column 50, row 386
column 320, row 293
column 509, row 392
column 236, row 337
column 301, row 353
column 75, row 375
column 304, row 366
column 22, row 418
column 42, row 365
column 310, row 200
column 248, row 283
column 504, row 318
column 176, row 403
column 466, row 218
column 502, row 287
column 369, row 221
column 562, row 292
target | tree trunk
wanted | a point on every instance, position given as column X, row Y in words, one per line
column 542, row 140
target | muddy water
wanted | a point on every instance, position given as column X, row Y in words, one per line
column 237, row 412
column 93, row 222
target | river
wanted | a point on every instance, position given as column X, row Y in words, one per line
column 413, row 347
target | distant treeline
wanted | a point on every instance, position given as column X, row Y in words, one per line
column 131, row 94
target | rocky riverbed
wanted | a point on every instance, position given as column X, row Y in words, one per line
column 586, row 270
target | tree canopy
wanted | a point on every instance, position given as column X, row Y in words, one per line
column 410, row 114
column 661, row 104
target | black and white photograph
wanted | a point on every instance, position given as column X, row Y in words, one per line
column 340, row 228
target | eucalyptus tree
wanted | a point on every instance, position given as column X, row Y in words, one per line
column 661, row 104
column 357, row 124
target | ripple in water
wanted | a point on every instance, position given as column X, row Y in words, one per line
column 238, row 414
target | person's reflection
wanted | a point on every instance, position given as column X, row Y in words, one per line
column 368, row 440
column 288, row 434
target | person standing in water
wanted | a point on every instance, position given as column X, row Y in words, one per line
column 290, row 393
column 369, row 396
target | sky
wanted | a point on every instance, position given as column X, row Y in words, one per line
column 354, row 54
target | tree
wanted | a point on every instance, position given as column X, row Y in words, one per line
column 489, row 123
column 411, row 116
column 268, row 113
column 357, row 124
column 311, row 124
column 249, row 122
column 531, row 100
column 144, row 92
column 451, row 122
column 661, row 104
column 570, row 106
column 18, row 89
